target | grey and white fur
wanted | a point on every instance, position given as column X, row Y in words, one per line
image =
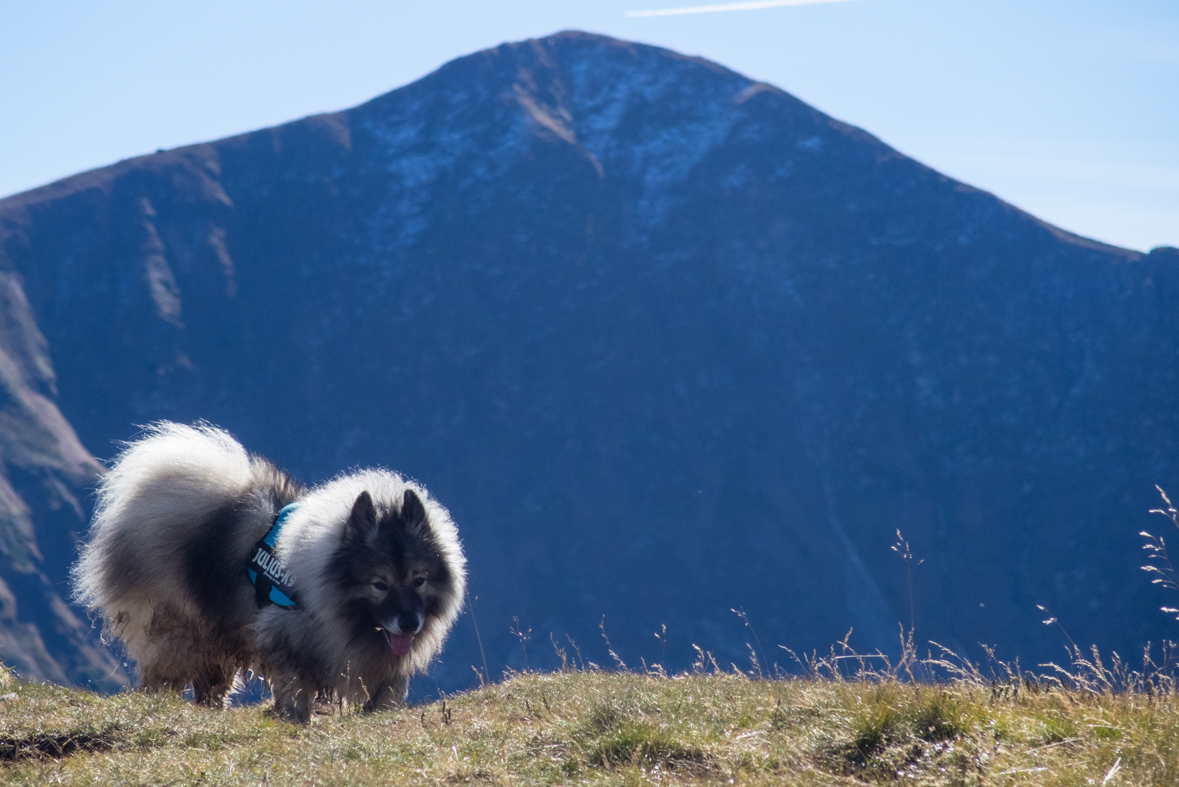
column 377, row 562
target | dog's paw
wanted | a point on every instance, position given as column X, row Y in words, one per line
column 292, row 701
column 390, row 697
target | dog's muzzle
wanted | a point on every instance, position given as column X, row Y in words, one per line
column 401, row 631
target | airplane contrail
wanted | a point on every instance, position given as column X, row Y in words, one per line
column 710, row 9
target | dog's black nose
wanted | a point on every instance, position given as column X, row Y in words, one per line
column 410, row 622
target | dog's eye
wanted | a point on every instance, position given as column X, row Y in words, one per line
column 417, row 583
column 379, row 585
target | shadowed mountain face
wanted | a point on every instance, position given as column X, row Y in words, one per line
column 666, row 340
column 44, row 472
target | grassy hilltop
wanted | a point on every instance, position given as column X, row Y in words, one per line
column 1099, row 726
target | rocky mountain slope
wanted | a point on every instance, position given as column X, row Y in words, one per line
column 667, row 340
column 44, row 477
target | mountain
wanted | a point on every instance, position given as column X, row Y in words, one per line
column 668, row 341
column 45, row 474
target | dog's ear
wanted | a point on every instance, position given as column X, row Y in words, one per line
column 413, row 513
column 362, row 522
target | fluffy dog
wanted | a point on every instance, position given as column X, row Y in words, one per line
column 352, row 589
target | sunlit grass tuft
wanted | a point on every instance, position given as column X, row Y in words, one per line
column 598, row 727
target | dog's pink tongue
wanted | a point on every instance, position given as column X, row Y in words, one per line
column 400, row 643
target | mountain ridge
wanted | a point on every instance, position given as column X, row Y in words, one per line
column 331, row 119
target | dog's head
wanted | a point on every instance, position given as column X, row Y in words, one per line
column 391, row 572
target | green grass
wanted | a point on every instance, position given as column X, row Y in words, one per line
column 601, row 727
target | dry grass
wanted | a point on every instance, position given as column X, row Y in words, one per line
column 1097, row 724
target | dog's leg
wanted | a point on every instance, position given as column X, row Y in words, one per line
column 292, row 699
column 391, row 695
column 210, row 687
column 152, row 679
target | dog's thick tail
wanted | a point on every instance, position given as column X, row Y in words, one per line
column 159, row 489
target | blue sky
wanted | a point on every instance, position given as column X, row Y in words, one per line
column 1067, row 109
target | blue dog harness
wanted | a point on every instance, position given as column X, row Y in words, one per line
column 273, row 584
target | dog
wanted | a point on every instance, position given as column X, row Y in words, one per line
column 206, row 561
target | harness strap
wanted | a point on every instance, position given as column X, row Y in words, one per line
column 273, row 584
